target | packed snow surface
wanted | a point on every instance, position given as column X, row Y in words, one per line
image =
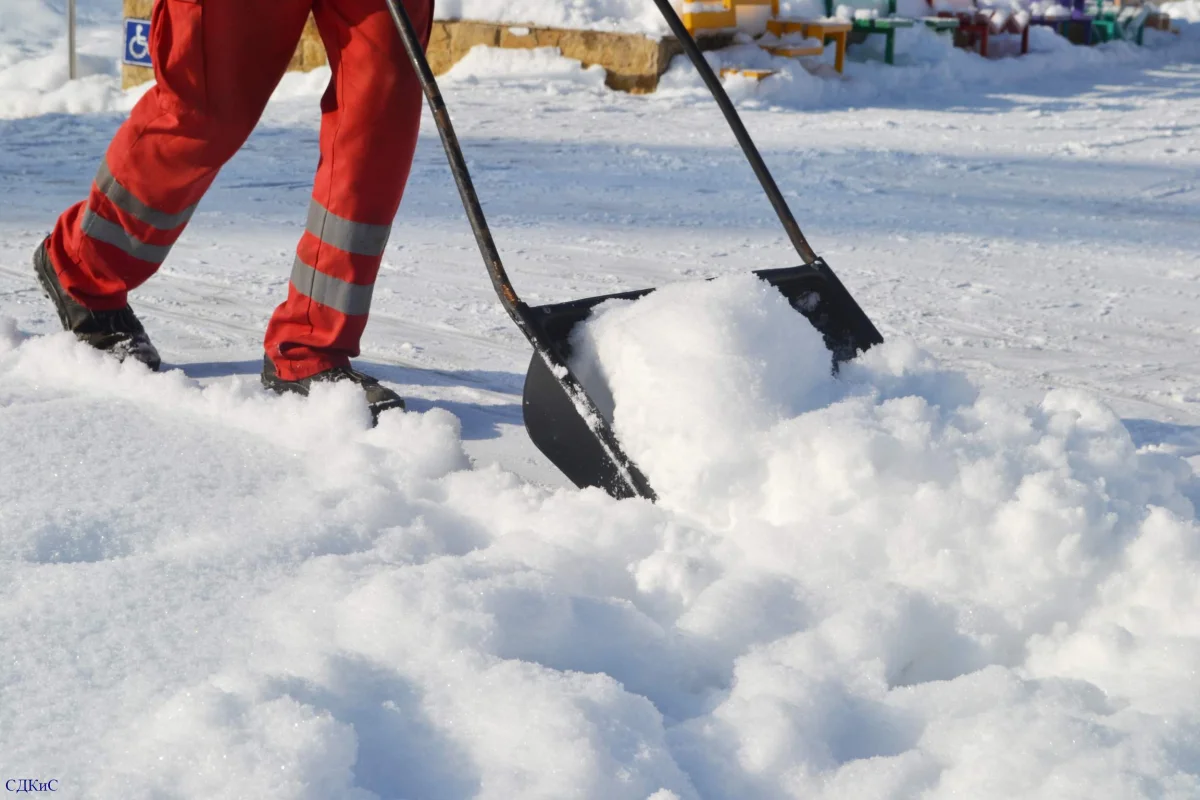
column 965, row 566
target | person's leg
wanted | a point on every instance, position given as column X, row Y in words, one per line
column 216, row 63
column 370, row 116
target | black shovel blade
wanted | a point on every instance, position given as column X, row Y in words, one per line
column 572, row 444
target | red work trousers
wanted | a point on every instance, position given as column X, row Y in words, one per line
column 217, row 63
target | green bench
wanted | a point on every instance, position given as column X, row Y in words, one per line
column 885, row 24
column 941, row 24
column 1119, row 23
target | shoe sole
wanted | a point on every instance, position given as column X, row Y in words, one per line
column 57, row 296
column 49, row 287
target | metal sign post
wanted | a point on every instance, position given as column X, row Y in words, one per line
column 73, row 63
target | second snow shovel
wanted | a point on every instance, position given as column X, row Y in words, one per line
column 561, row 418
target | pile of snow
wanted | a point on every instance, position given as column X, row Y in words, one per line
column 789, row 40
column 927, row 66
column 541, row 68
column 886, row 584
column 628, row 16
column 40, row 85
column 1186, row 10
column 978, row 593
column 1050, row 10
column 802, row 9
column 34, row 68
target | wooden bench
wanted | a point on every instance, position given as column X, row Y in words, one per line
column 821, row 30
column 784, row 38
column 941, row 24
column 1069, row 19
column 719, row 16
column 705, row 17
column 747, row 72
column 1117, row 22
column 977, row 25
column 879, row 18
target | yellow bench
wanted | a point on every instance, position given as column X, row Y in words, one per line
column 825, row 30
column 706, row 17
column 753, row 74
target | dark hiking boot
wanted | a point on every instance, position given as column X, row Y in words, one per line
column 379, row 397
column 118, row 333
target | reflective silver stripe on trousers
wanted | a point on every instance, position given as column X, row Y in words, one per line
column 351, row 237
column 123, row 199
column 348, row 298
column 100, row 229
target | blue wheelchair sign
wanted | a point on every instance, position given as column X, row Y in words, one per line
column 137, row 42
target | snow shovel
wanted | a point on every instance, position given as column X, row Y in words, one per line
column 561, row 418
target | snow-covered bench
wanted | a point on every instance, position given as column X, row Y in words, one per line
column 1068, row 18
column 813, row 34
column 978, row 23
column 871, row 17
column 1120, row 22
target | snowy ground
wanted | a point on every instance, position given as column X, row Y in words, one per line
column 968, row 568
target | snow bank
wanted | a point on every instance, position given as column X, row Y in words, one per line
column 887, row 584
column 629, row 16
column 1186, row 10
column 34, row 62
column 928, row 69
column 543, row 67
column 40, row 86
